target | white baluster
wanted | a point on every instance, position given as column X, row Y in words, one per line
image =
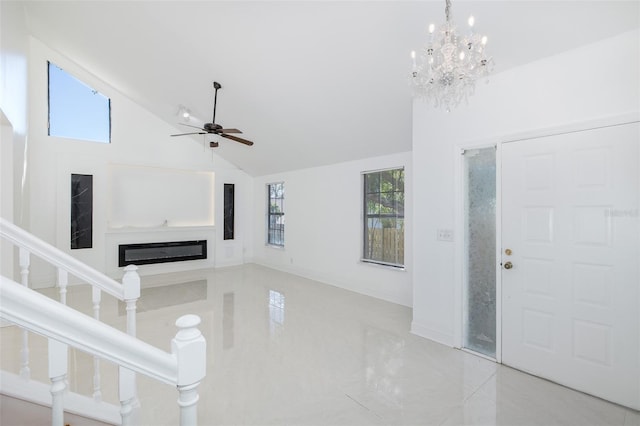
column 58, row 353
column 127, row 391
column 131, row 294
column 188, row 403
column 63, row 280
column 189, row 347
column 96, row 295
column 24, row 261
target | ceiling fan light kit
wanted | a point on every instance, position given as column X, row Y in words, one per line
column 449, row 64
column 211, row 128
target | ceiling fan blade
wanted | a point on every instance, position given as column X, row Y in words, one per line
column 194, row 133
column 189, row 125
column 230, row 131
column 237, row 139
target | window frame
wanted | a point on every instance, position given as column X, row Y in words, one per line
column 395, row 216
column 274, row 215
column 108, row 99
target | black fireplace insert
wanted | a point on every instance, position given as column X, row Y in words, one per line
column 148, row 253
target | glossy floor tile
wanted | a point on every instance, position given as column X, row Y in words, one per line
column 283, row 350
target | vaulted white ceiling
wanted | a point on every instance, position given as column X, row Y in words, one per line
column 311, row 82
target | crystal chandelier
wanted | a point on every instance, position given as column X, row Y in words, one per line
column 449, row 64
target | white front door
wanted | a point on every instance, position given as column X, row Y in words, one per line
column 570, row 219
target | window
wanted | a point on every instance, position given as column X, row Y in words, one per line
column 275, row 215
column 384, row 217
column 76, row 110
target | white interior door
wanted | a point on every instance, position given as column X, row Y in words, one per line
column 571, row 221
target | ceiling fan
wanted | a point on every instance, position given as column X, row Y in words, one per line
column 213, row 128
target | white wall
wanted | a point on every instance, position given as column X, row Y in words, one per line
column 323, row 232
column 13, row 116
column 14, row 48
column 139, row 141
column 586, row 84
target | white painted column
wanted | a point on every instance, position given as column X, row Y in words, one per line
column 190, row 348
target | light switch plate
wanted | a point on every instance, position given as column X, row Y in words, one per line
column 445, row 235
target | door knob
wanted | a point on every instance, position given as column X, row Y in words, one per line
column 508, row 265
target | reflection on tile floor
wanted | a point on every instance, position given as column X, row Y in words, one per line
column 286, row 350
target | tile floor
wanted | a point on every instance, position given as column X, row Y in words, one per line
column 283, row 350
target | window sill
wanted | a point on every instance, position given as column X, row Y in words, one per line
column 386, row 266
column 273, row 246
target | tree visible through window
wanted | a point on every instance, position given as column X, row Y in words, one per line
column 275, row 215
column 384, row 217
column 76, row 110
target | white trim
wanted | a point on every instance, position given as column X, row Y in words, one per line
column 363, row 218
column 499, row 253
column 579, row 126
column 459, row 260
column 481, row 355
column 458, row 246
column 385, row 169
column 267, row 214
column 428, row 333
column 576, row 126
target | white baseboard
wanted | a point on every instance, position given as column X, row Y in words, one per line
column 428, row 333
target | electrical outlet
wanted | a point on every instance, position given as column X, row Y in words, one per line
column 445, row 235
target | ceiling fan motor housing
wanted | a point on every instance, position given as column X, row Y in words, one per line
column 212, row 127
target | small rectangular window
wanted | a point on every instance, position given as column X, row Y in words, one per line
column 275, row 214
column 76, row 110
column 383, row 206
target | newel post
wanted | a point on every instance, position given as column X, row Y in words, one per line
column 131, row 294
column 58, row 362
column 190, row 349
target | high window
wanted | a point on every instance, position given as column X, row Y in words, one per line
column 384, row 217
column 76, row 110
column 275, row 214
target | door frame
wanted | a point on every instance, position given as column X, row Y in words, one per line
column 459, row 262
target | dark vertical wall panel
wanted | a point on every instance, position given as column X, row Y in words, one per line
column 81, row 211
column 229, row 195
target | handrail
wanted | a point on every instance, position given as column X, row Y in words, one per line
column 36, row 312
column 54, row 255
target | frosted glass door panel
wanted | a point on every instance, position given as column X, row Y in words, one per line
column 480, row 246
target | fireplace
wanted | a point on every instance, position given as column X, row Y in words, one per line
column 148, row 253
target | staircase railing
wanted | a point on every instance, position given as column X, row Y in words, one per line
column 128, row 291
column 184, row 367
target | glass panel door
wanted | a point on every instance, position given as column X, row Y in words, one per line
column 479, row 291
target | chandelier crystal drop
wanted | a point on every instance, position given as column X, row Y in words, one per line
column 447, row 67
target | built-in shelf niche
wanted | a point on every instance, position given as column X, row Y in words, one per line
column 142, row 198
